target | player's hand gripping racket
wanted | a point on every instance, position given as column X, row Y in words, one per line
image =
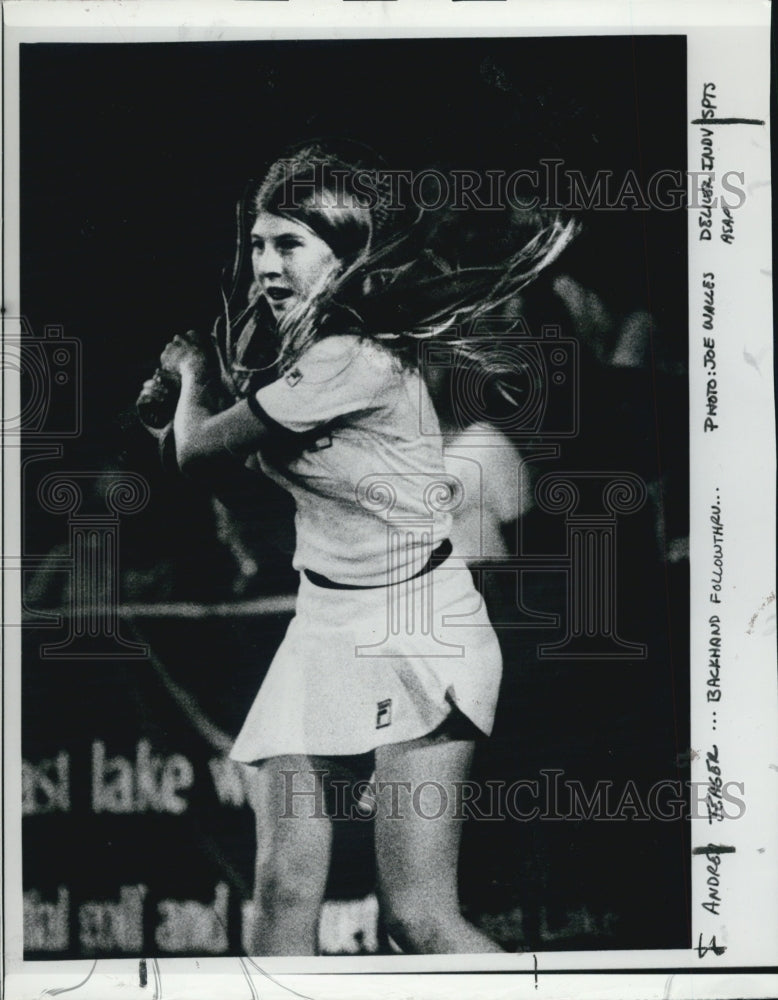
column 156, row 404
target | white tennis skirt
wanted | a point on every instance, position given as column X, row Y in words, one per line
column 359, row 669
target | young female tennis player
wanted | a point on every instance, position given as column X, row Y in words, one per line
column 390, row 649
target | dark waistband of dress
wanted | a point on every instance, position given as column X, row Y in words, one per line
column 439, row 556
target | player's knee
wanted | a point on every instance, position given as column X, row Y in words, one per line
column 282, row 885
column 412, row 919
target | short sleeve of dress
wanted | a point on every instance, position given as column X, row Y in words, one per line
column 336, row 377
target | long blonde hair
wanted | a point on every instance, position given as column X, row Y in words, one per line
column 392, row 286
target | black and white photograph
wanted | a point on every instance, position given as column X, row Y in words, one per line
column 389, row 500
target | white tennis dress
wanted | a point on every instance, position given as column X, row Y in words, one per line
column 384, row 657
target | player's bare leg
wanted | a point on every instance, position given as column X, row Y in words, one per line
column 417, row 858
column 294, row 837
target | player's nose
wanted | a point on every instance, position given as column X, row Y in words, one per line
column 267, row 263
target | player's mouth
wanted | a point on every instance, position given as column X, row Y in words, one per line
column 277, row 294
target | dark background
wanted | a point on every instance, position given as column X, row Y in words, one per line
column 132, row 159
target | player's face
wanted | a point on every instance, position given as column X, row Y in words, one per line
column 289, row 261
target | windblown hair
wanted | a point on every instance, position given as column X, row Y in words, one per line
column 394, row 285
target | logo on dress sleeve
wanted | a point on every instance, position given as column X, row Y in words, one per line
column 384, row 714
column 293, row 377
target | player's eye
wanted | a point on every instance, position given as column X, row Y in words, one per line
column 287, row 243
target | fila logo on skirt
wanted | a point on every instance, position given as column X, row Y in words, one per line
column 384, row 714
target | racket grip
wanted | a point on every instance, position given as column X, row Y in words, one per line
column 156, row 405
